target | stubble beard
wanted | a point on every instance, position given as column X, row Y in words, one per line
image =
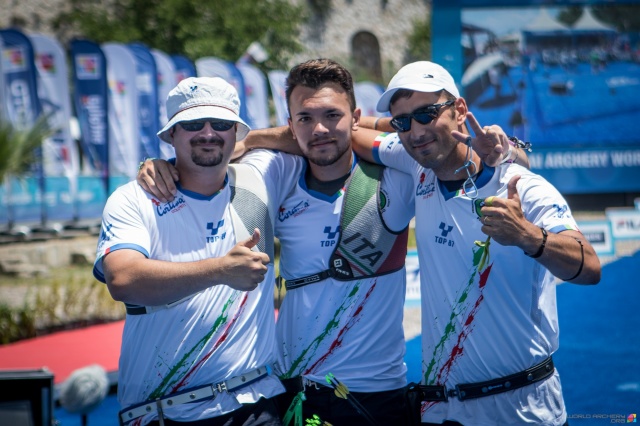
column 324, row 160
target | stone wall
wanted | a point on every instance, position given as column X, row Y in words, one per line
column 390, row 22
column 36, row 257
column 30, row 15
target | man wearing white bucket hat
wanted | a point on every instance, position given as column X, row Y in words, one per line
column 196, row 274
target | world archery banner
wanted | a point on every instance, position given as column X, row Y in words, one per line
column 90, row 96
column 146, row 79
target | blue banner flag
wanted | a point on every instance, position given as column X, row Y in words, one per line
column 90, row 97
column 22, row 104
column 184, row 67
column 215, row 67
column 22, row 108
column 146, row 79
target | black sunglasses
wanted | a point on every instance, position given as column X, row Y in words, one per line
column 217, row 125
column 423, row 115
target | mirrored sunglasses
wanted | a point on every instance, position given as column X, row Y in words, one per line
column 423, row 115
column 217, row 125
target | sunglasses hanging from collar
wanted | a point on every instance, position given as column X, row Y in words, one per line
column 469, row 185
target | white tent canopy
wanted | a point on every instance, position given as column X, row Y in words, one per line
column 588, row 22
column 545, row 23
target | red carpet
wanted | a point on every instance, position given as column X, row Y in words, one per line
column 66, row 351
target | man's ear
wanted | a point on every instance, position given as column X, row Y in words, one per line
column 293, row 131
column 461, row 111
column 356, row 119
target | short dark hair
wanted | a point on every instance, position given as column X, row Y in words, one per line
column 316, row 72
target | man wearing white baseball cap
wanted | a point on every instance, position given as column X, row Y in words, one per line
column 491, row 241
column 196, row 274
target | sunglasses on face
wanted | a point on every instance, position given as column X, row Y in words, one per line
column 217, row 125
column 423, row 115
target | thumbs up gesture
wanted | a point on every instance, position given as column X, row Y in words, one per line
column 502, row 218
column 243, row 269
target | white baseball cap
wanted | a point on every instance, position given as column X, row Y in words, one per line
column 197, row 98
column 422, row 76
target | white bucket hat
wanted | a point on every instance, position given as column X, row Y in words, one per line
column 422, row 76
column 197, row 98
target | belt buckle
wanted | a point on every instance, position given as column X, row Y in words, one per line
column 221, row 387
column 457, row 393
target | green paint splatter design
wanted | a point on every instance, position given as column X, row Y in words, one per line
column 180, row 368
column 303, row 360
column 480, row 258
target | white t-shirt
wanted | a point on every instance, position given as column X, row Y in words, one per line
column 219, row 332
column 489, row 313
column 352, row 329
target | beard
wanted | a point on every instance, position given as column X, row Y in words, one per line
column 207, row 159
column 323, row 160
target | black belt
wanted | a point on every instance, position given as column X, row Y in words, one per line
column 142, row 310
column 300, row 384
column 196, row 394
column 309, row 279
column 491, row 387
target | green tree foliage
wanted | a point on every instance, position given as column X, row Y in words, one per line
column 220, row 28
column 18, row 147
column 570, row 15
column 624, row 18
column 419, row 41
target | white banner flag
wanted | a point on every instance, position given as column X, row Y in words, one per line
column 256, row 94
column 124, row 148
column 367, row 95
column 166, row 81
column 60, row 152
column 277, row 80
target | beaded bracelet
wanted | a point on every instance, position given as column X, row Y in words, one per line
column 514, row 141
